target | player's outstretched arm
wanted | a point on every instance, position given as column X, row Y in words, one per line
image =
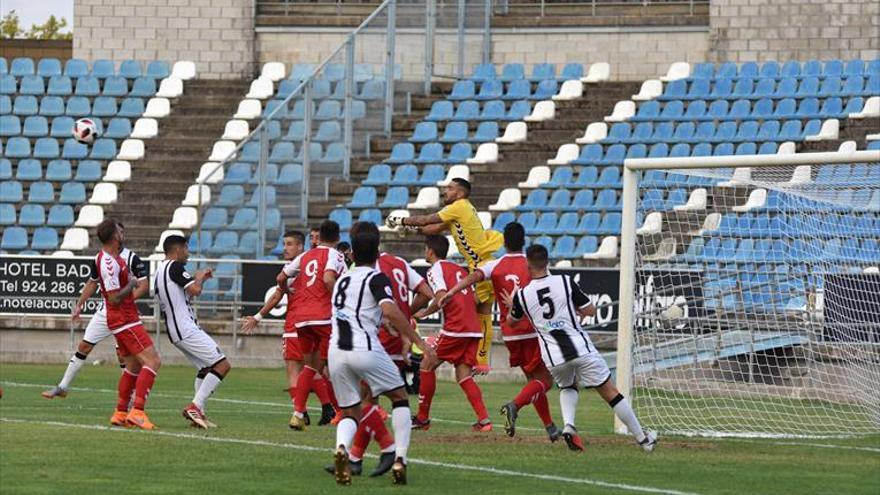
column 432, row 308
column 401, row 324
column 473, row 278
column 424, row 294
column 421, row 220
column 116, row 296
column 195, row 289
column 251, row 322
column 88, row 291
column 516, row 311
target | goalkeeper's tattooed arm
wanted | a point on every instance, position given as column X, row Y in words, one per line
column 421, row 220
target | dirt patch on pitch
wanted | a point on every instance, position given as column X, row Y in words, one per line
column 502, row 439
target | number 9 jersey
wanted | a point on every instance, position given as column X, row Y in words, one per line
column 311, row 299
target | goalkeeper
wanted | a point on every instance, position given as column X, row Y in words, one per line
column 474, row 242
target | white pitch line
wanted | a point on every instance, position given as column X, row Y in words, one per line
column 819, row 445
column 309, row 448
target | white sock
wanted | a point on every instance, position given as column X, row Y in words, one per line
column 209, row 384
column 568, row 401
column 345, row 431
column 401, row 421
column 197, row 385
column 77, row 361
column 625, row 412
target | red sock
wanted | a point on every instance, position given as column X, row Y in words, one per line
column 475, row 397
column 142, row 388
column 331, row 394
column 319, row 385
column 374, row 424
column 126, row 386
column 529, row 394
column 292, row 393
column 303, row 387
column 361, row 436
column 385, row 440
column 427, row 387
column 543, row 409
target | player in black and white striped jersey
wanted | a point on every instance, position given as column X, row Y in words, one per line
column 362, row 297
column 174, row 288
column 555, row 304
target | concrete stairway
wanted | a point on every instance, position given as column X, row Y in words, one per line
column 514, row 161
column 172, row 160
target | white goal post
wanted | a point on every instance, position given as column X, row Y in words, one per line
column 754, row 312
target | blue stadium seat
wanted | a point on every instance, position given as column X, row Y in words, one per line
column 363, row 197
column 587, row 177
column 486, row 132
column 328, row 131
column 158, row 69
column 238, row 173
column 518, row 110
column 215, row 218
column 29, row 170
column 441, row 110
column 73, row 150
column 519, row 89
column 512, row 72
column 564, row 248
column 590, row 155
column 14, row 238
column 560, row 200
column 102, row 69
column 10, row 125
column 467, row 110
column 104, row 106
column 7, row 214
column 831, row 86
column 244, row 219
column 614, row 155
column 791, row 68
column 748, row 148
column 769, row 70
column 790, row 131
column 454, row 132
column 699, row 89
column 546, row 224
column 32, row 215
column 343, row 217
column 502, row 219
column 11, row 192
column 404, row 175
column 35, row 126
column 372, row 215
column 459, row 153
column 78, row 106
column 853, row 86
column 808, row 87
column 22, row 66
column 545, row 241
column 768, row 148
column 118, row 128
column 546, row 90
column 462, row 90
column 571, row 71
column 230, row 196
column 41, row 192
column 282, row 152
column 379, row 174
column 659, row 150
column 490, row 90
column 534, row 200
column 88, row 86
column 640, row 134
column 484, row 72
column 431, row 175
column 76, row 68
column 130, row 69
column 587, row 244
column 833, row 68
column 647, row 111
column 528, row 220
column 131, row 108
column 18, row 147
column 562, row 177
column 429, row 153
column 396, row 197
column 743, row 88
column 605, row 200
column 8, row 85
column 103, row 149
column 541, row 72
column 765, row 88
column 31, row 85
column 583, row 200
column 610, row 224
column 72, row 193
column 115, row 86
column 225, row 242
column 271, row 196
column 4, row 69
column 567, row 224
column 787, row 88
column 424, row 132
column 334, row 156
column 59, row 171
column 26, row 105
column 372, row 90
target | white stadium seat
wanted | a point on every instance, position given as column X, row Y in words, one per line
column 158, row 108
column 429, row 197
column 222, row 150
column 453, row 248
column 787, row 148
column 261, row 88
column 236, row 130
column 710, row 224
column 273, row 71
column 104, row 193
column 455, row 171
column 870, row 109
column 89, row 216
column 802, row 175
column 830, row 131
column 677, row 70
column 145, row 128
column 650, row 89
column 757, row 199
column 248, row 109
column 131, row 149
column 165, row 234
column 508, row 199
column 192, row 195
column 599, row 72
column 565, row 154
column 486, row 153
column 563, row 264
column 185, row 217
column 570, row 90
column 607, row 250
column 184, row 70
column 485, row 219
column 118, row 171
column 62, row 253
column 210, row 173
column 847, row 146
column 170, row 87
column 741, row 175
column 75, row 239
column 595, row 132
column 696, row 201
column 537, row 176
column 515, row 132
column 622, row 111
column 653, row 224
column 544, row 110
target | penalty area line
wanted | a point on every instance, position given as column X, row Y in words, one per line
column 309, row 448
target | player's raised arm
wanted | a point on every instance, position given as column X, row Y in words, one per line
column 580, row 300
column 88, row 291
column 251, row 322
column 139, row 270
column 194, row 286
column 511, row 300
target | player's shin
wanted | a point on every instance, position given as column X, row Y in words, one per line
column 529, row 393
column 624, row 411
column 345, row 432
column 127, row 383
column 303, row 387
column 568, row 401
column 143, row 386
column 401, row 420
column 77, row 361
column 427, row 387
column 475, row 397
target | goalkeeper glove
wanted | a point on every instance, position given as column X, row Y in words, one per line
column 392, row 222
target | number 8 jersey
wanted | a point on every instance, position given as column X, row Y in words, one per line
column 311, row 299
column 357, row 312
column 551, row 303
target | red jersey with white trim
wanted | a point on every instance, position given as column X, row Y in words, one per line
column 509, row 273
column 310, row 303
column 113, row 275
column 403, row 281
column 289, row 324
column 460, row 317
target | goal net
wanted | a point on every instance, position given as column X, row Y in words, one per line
column 756, row 300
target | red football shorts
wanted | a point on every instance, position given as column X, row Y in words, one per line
column 314, row 338
column 525, row 354
column 132, row 341
column 290, row 349
column 458, row 350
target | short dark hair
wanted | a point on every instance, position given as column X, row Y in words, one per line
column 316, row 228
column 295, row 234
column 173, row 242
column 537, row 256
column 514, row 236
column 328, row 231
column 343, row 246
column 364, row 243
column 106, row 230
column 464, row 184
column 439, row 244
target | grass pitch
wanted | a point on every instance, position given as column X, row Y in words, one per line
column 64, row 446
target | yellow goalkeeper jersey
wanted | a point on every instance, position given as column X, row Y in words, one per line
column 474, row 242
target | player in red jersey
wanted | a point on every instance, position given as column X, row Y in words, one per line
column 458, row 340
column 508, row 274
column 315, row 273
column 294, row 242
column 133, row 342
column 404, row 280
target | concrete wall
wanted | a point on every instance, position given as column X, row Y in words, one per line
column 60, row 49
column 216, row 34
column 748, row 30
column 634, row 54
